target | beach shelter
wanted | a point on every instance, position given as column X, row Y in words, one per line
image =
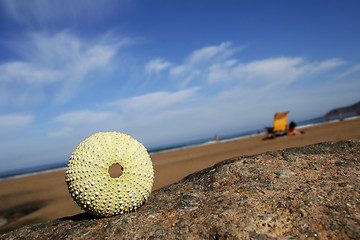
column 280, row 120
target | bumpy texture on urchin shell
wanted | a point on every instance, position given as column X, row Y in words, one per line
column 90, row 184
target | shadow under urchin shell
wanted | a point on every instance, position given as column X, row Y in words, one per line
column 90, row 184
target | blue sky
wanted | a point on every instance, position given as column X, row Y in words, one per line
column 167, row 71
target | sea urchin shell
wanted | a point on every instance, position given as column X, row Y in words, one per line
column 90, row 184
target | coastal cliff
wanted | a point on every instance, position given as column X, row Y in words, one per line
column 297, row 193
column 354, row 108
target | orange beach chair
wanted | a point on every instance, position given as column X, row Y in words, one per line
column 279, row 125
column 280, row 120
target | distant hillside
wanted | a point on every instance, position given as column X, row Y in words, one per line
column 343, row 110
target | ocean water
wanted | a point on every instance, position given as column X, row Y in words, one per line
column 198, row 142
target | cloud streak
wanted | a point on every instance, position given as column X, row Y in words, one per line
column 349, row 72
column 61, row 60
column 155, row 101
column 156, row 65
column 199, row 61
column 42, row 13
column 270, row 72
column 218, row 65
column 85, row 122
column 28, row 73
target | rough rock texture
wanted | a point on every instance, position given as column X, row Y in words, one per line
column 299, row 193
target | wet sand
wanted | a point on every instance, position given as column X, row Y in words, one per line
column 44, row 197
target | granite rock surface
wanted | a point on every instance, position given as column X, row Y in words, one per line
column 311, row 192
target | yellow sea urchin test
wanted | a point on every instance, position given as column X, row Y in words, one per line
column 90, row 183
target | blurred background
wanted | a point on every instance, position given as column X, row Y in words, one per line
column 168, row 73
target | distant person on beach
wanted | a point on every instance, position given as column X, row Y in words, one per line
column 291, row 129
column 341, row 117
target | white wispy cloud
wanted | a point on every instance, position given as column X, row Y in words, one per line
column 258, row 74
column 349, row 72
column 177, row 70
column 61, row 60
column 86, row 122
column 205, row 54
column 42, row 13
column 327, row 64
column 267, row 75
column 85, row 117
column 200, row 60
column 217, row 64
column 156, row 65
column 155, row 101
column 32, row 11
column 141, row 117
column 28, row 73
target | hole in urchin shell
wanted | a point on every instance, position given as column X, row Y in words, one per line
column 115, row 170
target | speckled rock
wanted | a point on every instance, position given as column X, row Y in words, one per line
column 311, row 192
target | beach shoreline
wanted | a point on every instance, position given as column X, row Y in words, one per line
column 195, row 144
column 44, row 196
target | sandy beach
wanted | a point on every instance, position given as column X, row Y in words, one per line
column 44, row 197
